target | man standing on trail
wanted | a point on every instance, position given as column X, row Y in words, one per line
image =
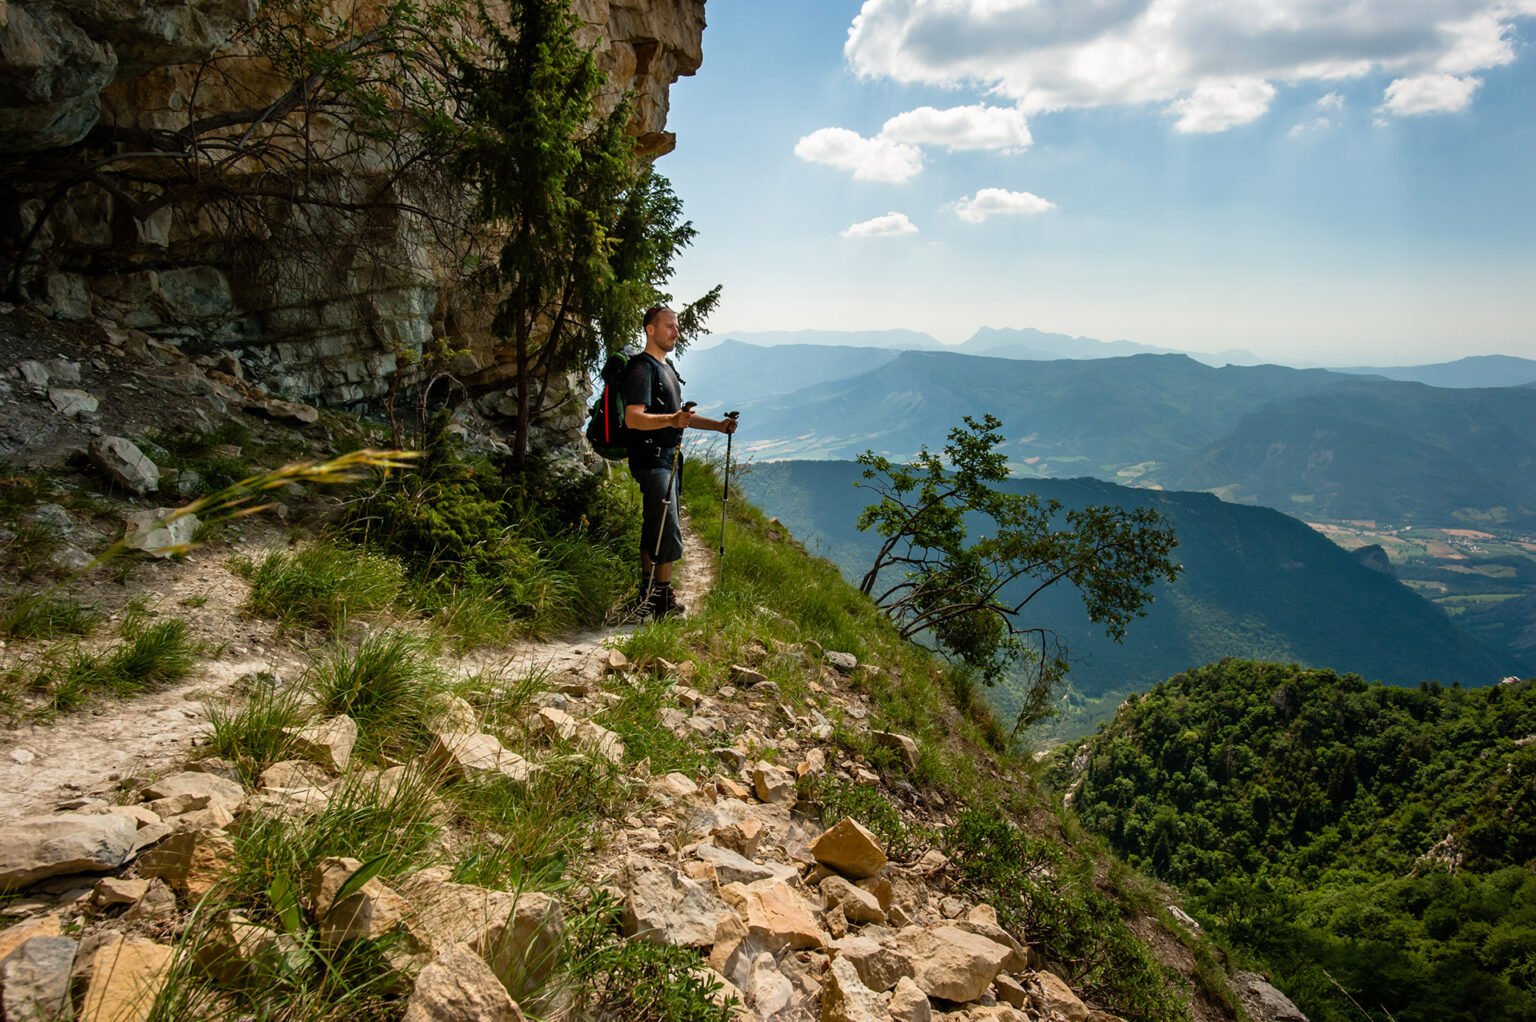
column 656, row 417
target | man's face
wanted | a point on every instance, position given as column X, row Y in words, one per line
column 663, row 331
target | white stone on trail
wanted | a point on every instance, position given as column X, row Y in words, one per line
column 468, row 756
column 328, row 742
column 209, row 786
column 120, row 460
column 158, row 533
column 72, row 403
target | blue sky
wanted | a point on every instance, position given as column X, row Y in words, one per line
column 1317, row 181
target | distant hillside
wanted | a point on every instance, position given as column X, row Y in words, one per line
column 1030, row 343
column 733, row 371
column 1371, row 845
column 1068, row 417
column 1399, row 451
column 898, row 339
column 1472, row 371
column 1256, row 583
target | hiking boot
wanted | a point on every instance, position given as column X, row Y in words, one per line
column 663, row 603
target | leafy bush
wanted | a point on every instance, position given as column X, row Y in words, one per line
column 634, row 979
column 1038, row 890
column 552, row 552
column 836, row 799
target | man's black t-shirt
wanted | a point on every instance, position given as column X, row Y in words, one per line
column 656, row 386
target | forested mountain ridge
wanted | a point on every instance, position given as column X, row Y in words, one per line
column 1339, row 830
column 1256, row 584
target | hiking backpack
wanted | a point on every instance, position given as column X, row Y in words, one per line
column 605, row 429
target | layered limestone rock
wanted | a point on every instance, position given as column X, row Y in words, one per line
column 325, row 322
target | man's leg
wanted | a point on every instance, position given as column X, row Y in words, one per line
column 661, row 540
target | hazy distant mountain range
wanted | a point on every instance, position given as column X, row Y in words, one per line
column 1312, row 442
column 1038, row 345
column 1256, row 584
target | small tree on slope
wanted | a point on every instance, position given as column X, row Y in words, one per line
column 966, row 596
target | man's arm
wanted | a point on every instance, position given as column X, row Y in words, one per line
column 727, row 425
column 636, row 417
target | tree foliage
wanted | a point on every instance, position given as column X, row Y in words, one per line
column 967, row 594
column 1376, row 836
column 589, row 230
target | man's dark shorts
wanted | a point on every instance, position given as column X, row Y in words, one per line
column 653, row 492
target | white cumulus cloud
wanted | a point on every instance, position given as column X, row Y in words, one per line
column 869, row 159
column 892, row 225
column 1332, row 101
column 961, row 127
column 1429, row 94
column 989, row 202
column 1217, row 106
column 1215, row 64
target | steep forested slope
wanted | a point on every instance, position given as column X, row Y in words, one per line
column 1256, row 583
column 1380, row 837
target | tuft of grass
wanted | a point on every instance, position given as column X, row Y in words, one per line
column 320, row 586
column 28, row 547
column 42, row 616
column 383, row 684
column 393, row 825
column 526, row 835
column 468, row 615
column 636, row 718
column 149, row 657
column 250, row 733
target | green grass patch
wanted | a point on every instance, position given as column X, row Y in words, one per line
column 320, row 586
column 250, row 732
column 1039, row 890
column 42, row 616
column 636, row 718
column 634, row 979
column 526, row 835
column 148, row 657
column 383, row 684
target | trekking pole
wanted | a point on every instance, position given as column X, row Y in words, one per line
column 725, row 495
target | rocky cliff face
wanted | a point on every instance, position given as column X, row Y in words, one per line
column 324, row 321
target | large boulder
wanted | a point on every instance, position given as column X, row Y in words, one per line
column 121, row 461
column 124, row 976
column 37, row 847
column 51, row 76
column 457, row 986
column 665, row 907
column 34, row 979
column 1263, row 1002
column 952, row 963
column 850, row 849
column 776, row 915
column 518, row 935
